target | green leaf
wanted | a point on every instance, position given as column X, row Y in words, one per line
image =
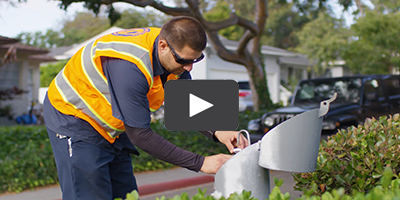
column 342, row 155
column 340, row 179
column 278, row 182
column 387, row 177
column 134, row 195
column 184, row 196
column 376, row 175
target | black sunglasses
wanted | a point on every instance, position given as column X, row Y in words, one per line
column 182, row 61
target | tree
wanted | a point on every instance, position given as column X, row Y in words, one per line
column 131, row 18
column 375, row 47
column 85, row 25
column 282, row 24
column 323, row 39
column 370, row 46
column 82, row 27
column 221, row 11
column 50, row 39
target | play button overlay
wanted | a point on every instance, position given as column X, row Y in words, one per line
column 197, row 105
column 201, row 105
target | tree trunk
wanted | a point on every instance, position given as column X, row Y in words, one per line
column 259, row 84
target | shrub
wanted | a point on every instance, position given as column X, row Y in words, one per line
column 354, row 159
column 27, row 160
column 386, row 188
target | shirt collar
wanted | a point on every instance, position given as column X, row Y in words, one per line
column 158, row 69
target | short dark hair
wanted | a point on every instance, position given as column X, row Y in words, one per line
column 184, row 30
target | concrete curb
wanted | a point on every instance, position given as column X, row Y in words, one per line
column 173, row 185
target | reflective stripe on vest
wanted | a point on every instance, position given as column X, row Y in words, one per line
column 71, row 97
column 98, row 81
column 132, row 50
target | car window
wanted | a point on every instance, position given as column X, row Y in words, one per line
column 354, row 90
column 244, row 85
column 307, row 91
column 372, row 90
column 348, row 91
column 393, row 87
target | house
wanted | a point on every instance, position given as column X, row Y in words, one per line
column 282, row 66
column 19, row 72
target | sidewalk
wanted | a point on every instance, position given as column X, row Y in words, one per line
column 166, row 183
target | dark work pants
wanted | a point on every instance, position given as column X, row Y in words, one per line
column 86, row 171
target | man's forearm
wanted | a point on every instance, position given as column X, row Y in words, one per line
column 155, row 145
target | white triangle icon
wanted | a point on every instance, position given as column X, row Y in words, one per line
column 197, row 105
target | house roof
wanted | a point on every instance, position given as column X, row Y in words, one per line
column 265, row 49
column 59, row 52
column 24, row 48
column 42, row 58
column 296, row 60
column 12, row 46
column 6, row 40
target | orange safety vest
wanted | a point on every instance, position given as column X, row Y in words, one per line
column 81, row 88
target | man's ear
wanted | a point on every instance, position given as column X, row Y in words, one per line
column 162, row 45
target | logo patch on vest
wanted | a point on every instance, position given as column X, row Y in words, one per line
column 132, row 32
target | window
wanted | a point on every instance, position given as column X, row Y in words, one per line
column 372, row 90
column 348, row 90
column 393, row 87
column 244, row 85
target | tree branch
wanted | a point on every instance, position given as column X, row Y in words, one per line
column 159, row 6
column 195, row 10
column 232, row 20
column 261, row 20
column 360, row 7
column 222, row 52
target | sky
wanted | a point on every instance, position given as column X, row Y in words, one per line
column 38, row 15
column 32, row 16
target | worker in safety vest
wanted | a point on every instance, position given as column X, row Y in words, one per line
column 98, row 108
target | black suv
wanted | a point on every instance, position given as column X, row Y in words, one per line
column 358, row 97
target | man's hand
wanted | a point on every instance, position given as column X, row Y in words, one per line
column 229, row 138
column 212, row 164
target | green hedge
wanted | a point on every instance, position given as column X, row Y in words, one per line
column 354, row 159
column 27, row 160
column 386, row 188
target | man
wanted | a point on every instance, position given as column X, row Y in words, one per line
column 99, row 106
